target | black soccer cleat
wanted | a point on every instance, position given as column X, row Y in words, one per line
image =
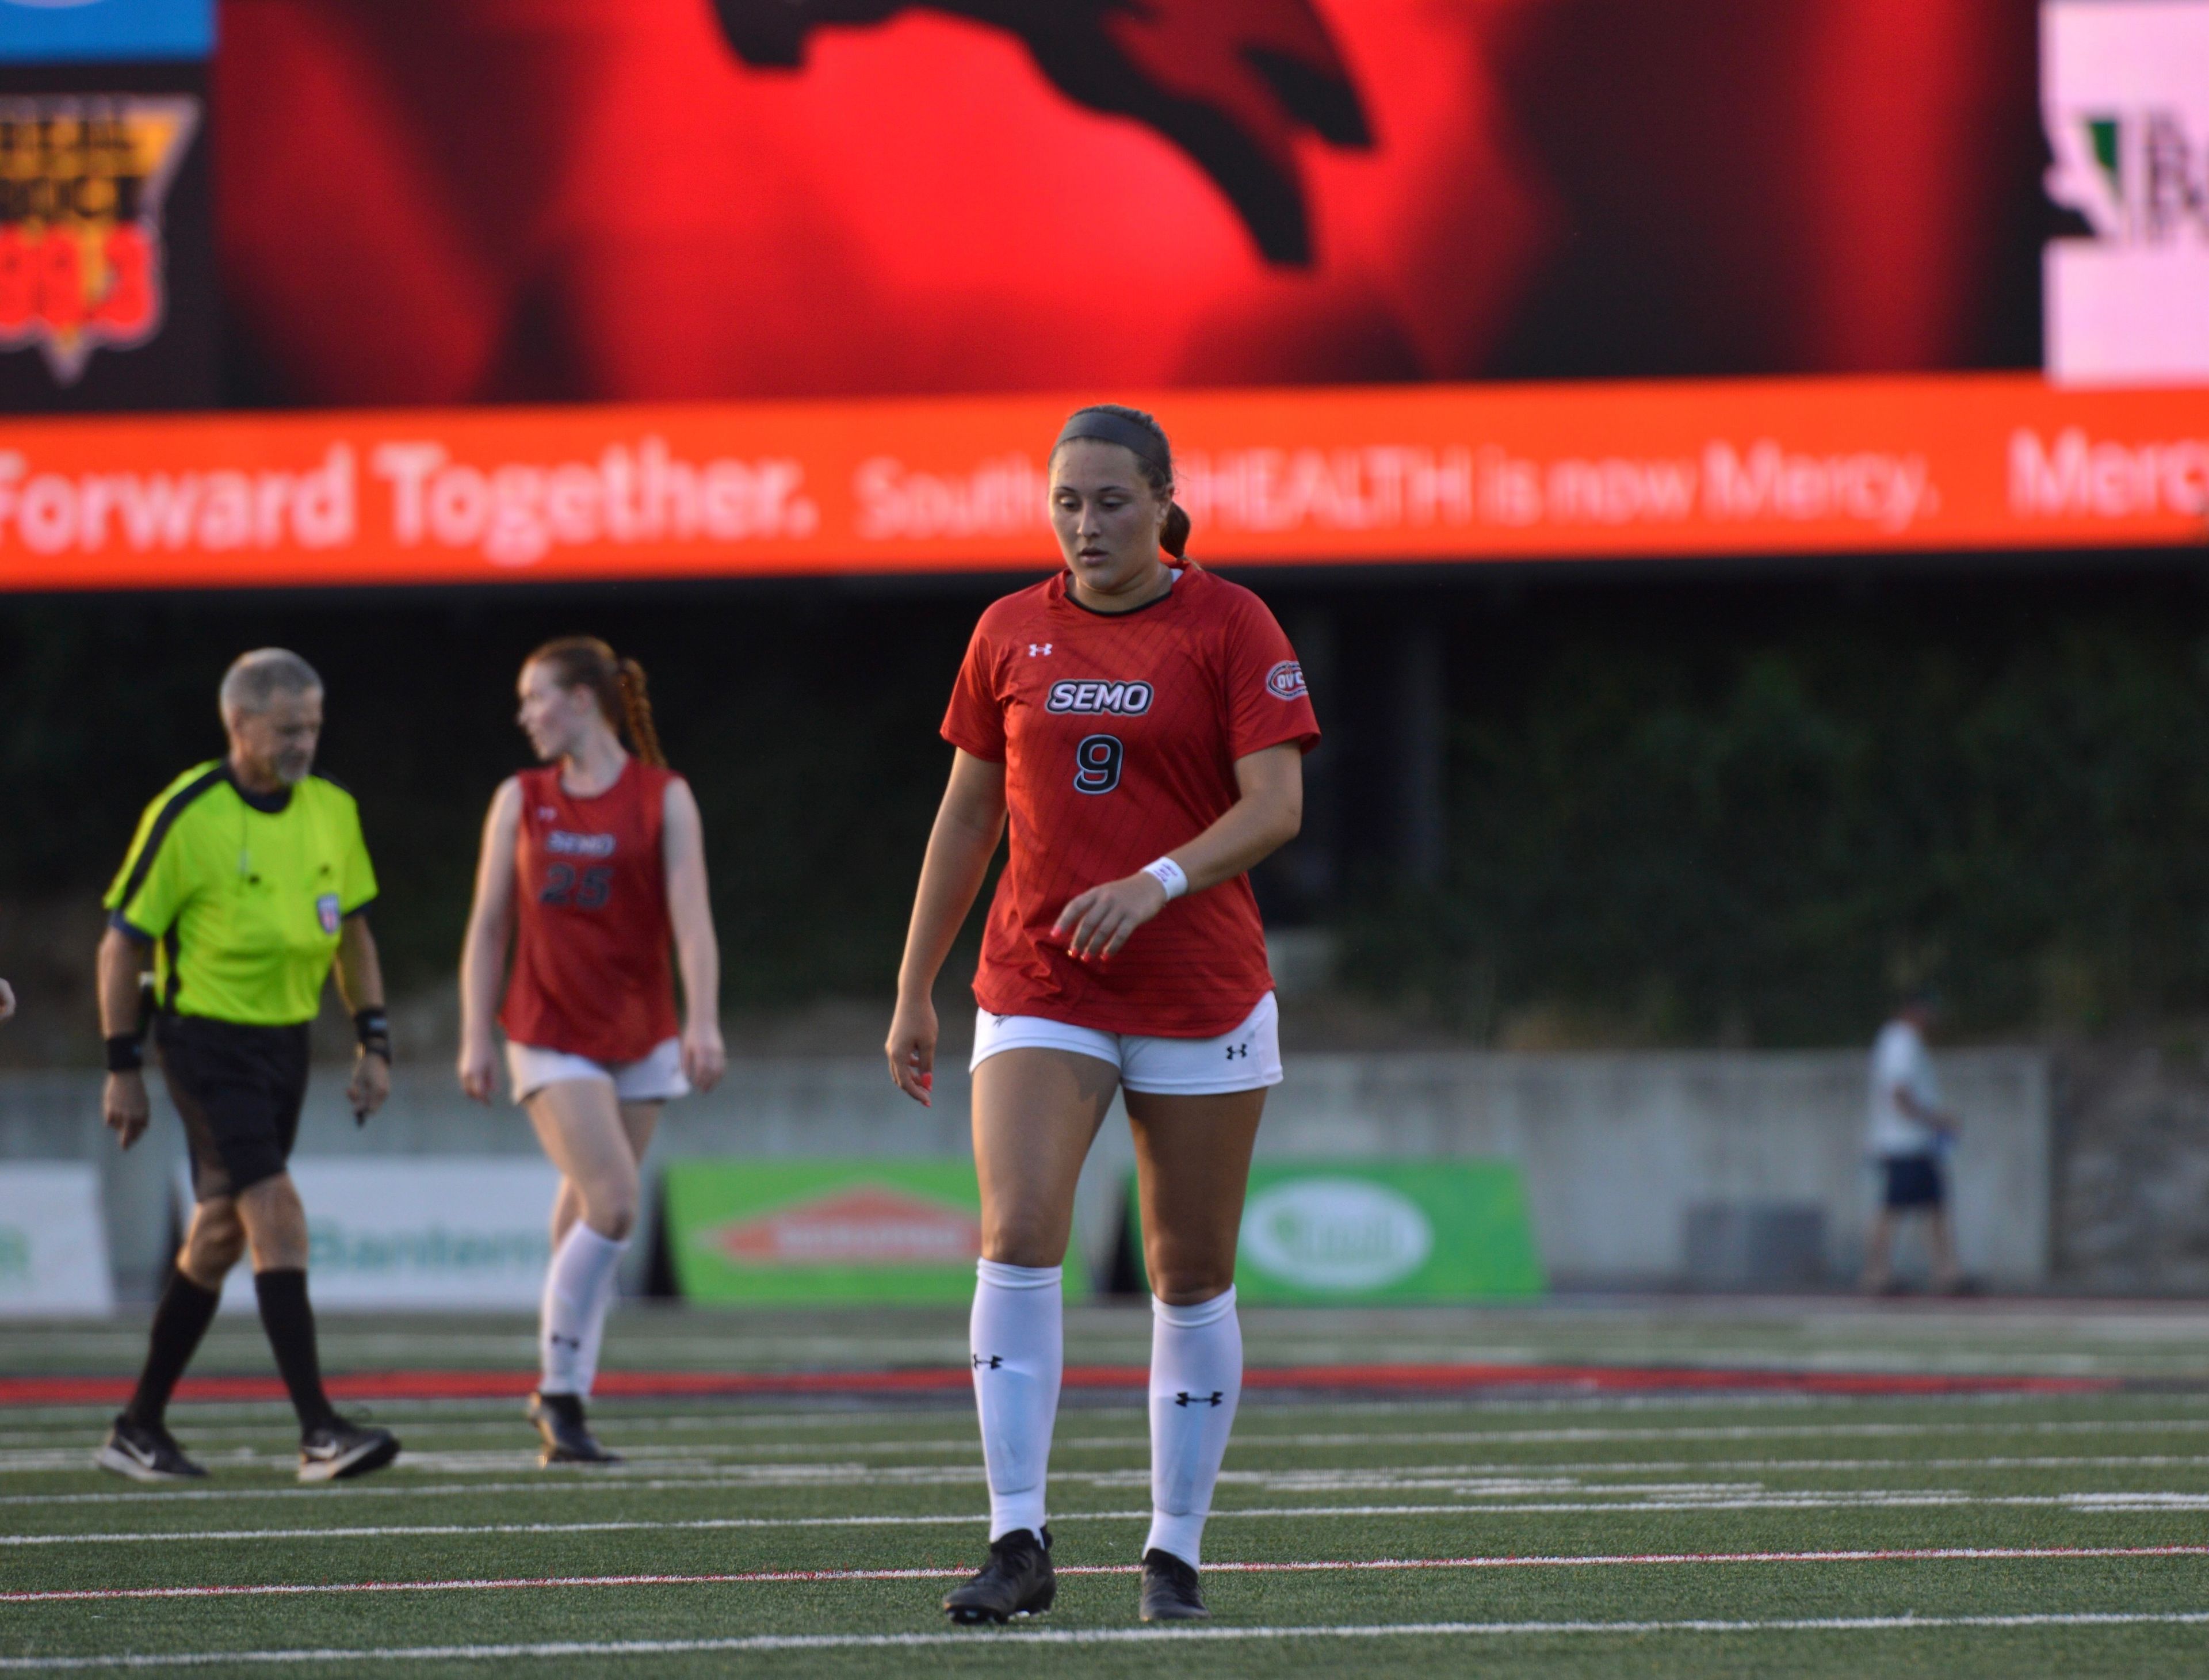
column 1170, row 1591
column 568, row 1438
column 144, row 1453
column 1017, row 1581
column 335, row 1451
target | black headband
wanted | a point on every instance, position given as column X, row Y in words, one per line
column 1102, row 425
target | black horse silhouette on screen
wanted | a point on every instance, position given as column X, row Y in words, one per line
column 1231, row 82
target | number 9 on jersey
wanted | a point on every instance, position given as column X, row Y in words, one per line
column 1096, row 764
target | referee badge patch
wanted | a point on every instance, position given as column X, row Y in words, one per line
column 326, row 908
column 1285, row 680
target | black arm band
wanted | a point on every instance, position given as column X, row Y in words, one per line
column 373, row 1028
column 126, row 1053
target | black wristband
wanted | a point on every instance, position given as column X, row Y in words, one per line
column 126, row 1053
column 373, row 1028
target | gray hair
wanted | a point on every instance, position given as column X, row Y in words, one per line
column 255, row 678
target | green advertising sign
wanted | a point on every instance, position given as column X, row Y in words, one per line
column 777, row 1230
column 1406, row 1232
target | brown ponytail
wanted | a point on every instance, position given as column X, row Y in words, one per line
column 1175, row 538
column 636, row 712
column 617, row 684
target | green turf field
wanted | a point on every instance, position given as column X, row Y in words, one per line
column 1542, row 1534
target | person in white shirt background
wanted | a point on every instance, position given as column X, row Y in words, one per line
column 1910, row 1132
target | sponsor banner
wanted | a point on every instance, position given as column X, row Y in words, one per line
column 1384, row 1231
column 1305, row 476
column 57, row 31
column 799, row 1230
column 457, row 1231
column 2125, row 92
column 53, row 1240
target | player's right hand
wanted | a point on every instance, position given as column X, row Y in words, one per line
column 125, row 1107
column 912, row 1051
column 478, row 1070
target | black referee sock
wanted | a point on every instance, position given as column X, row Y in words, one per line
column 289, row 1322
column 179, row 1321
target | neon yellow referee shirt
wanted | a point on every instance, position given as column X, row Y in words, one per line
column 242, row 895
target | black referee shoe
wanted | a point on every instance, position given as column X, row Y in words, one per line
column 1170, row 1591
column 334, row 1451
column 144, row 1453
column 568, row 1438
column 1017, row 1581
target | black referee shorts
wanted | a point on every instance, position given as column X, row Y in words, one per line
column 1914, row 1182
column 239, row 1090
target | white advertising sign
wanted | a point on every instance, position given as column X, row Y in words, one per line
column 1336, row 1234
column 437, row 1231
column 53, row 1242
column 2125, row 96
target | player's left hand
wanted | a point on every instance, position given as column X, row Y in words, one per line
column 370, row 1084
column 1098, row 923
column 704, row 1060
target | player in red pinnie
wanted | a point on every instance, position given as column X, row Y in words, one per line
column 1140, row 723
column 594, row 864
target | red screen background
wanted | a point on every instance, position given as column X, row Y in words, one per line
column 453, row 200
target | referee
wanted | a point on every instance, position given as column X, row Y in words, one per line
column 247, row 877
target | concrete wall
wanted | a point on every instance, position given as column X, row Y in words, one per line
column 55, row 1117
column 2132, row 1169
column 1616, row 1148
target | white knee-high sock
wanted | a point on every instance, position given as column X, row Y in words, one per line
column 1018, row 1343
column 578, row 1290
column 594, row 1322
column 1196, row 1378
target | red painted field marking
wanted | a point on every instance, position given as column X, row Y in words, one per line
column 756, row 1577
column 1363, row 1379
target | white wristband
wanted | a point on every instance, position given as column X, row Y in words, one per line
column 1168, row 874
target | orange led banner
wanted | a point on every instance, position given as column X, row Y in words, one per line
column 1312, row 475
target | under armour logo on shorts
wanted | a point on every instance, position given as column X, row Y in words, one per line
column 988, row 1362
column 1215, row 1398
column 1235, row 1051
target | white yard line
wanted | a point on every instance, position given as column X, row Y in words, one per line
column 565, row 1482
column 982, row 1638
column 1621, row 1560
column 1872, row 1499
column 704, row 1461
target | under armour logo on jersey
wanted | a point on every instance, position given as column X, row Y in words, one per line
column 1236, row 1050
column 987, row 1361
column 546, row 814
column 1039, row 650
column 1215, row 1398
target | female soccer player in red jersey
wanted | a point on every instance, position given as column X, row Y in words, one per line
column 593, row 863
column 1142, row 723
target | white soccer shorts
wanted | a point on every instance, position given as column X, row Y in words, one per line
column 652, row 1078
column 1245, row 1059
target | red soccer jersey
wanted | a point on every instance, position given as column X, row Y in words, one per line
column 591, row 969
column 1119, row 734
